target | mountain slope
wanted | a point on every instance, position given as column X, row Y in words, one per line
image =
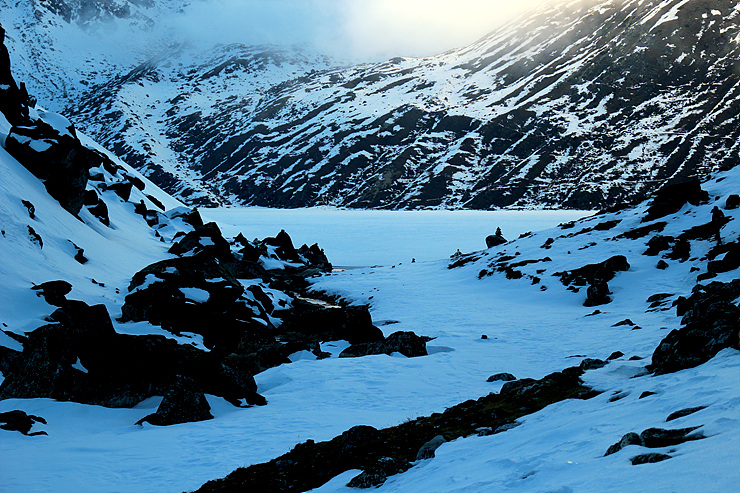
column 583, row 104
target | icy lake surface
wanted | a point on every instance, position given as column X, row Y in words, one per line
column 364, row 238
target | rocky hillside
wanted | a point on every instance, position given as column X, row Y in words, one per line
column 140, row 350
column 102, row 269
column 583, row 104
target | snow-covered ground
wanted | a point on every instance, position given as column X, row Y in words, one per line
column 353, row 238
column 530, row 332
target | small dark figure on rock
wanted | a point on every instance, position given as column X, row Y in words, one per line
column 718, row 220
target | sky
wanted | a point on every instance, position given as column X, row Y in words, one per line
column 358, row 28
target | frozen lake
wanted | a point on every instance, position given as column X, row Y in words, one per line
column 363, row 238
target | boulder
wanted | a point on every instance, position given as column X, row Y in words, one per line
column 711, row 322
column 506, row 377
column 184, row 402
column 733, row 201
column 671, row 198
column 79, row 357
column 427, row 450
column 20, row 421
column 597, row 294
column 628, row 439
column 331, row 322
column 53, row 292
column 377, row 473
column 593, row 273
column 649, row 458
column 406, row 343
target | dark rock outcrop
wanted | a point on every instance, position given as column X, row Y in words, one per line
column 671, row 198
column 79, row 357
column 406, row 343
column 184, row 402
column 377, row 473
column 592, row 273
column 495, row 239
column 506, row 377
column 20, row 421
column 711, row 322
column 53, row 292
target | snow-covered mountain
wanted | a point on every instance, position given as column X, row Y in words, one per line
column 582, row 104
column 601, row 355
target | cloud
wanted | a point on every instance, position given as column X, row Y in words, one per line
column 358, row 28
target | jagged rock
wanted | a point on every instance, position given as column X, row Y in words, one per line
column 204, row 240
column 628, row 439
column 615, row 355
column 315, row 257
column 427, row 450
column 592, row 364
column 189, row 216
column 35, row 237
column 626, row 321
column 658, row 437
column 711, row 322
column 592, row 273
column 121, row 189
column 378, row 472
column 671, row 198
column 662, row 265
column 184, row 402
column 53, row 292
column 193, row 294
column 14, row 103
column 684, row 412
column 597, row 294
column 332, row 322
column 506, row 377
column 733, row 201
column 20, row 421
column 406, row 343
column 649, row 458
column 285, row 249
column 80, row 357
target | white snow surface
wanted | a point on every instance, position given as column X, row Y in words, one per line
column 352, row 237
column 531, row 333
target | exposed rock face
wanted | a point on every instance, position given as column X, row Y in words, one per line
column 47, row 145
column 376, row 474
column 523, row 128
column 81, row 358
column 656, row 438
column 506, row 377
column 54, row 292
column 184, row 402
column 406, row 343
column 14, row 101
column 20, row 421
column 671, row 198
column 711, row 322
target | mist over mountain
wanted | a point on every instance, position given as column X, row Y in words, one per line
column 581, row 104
